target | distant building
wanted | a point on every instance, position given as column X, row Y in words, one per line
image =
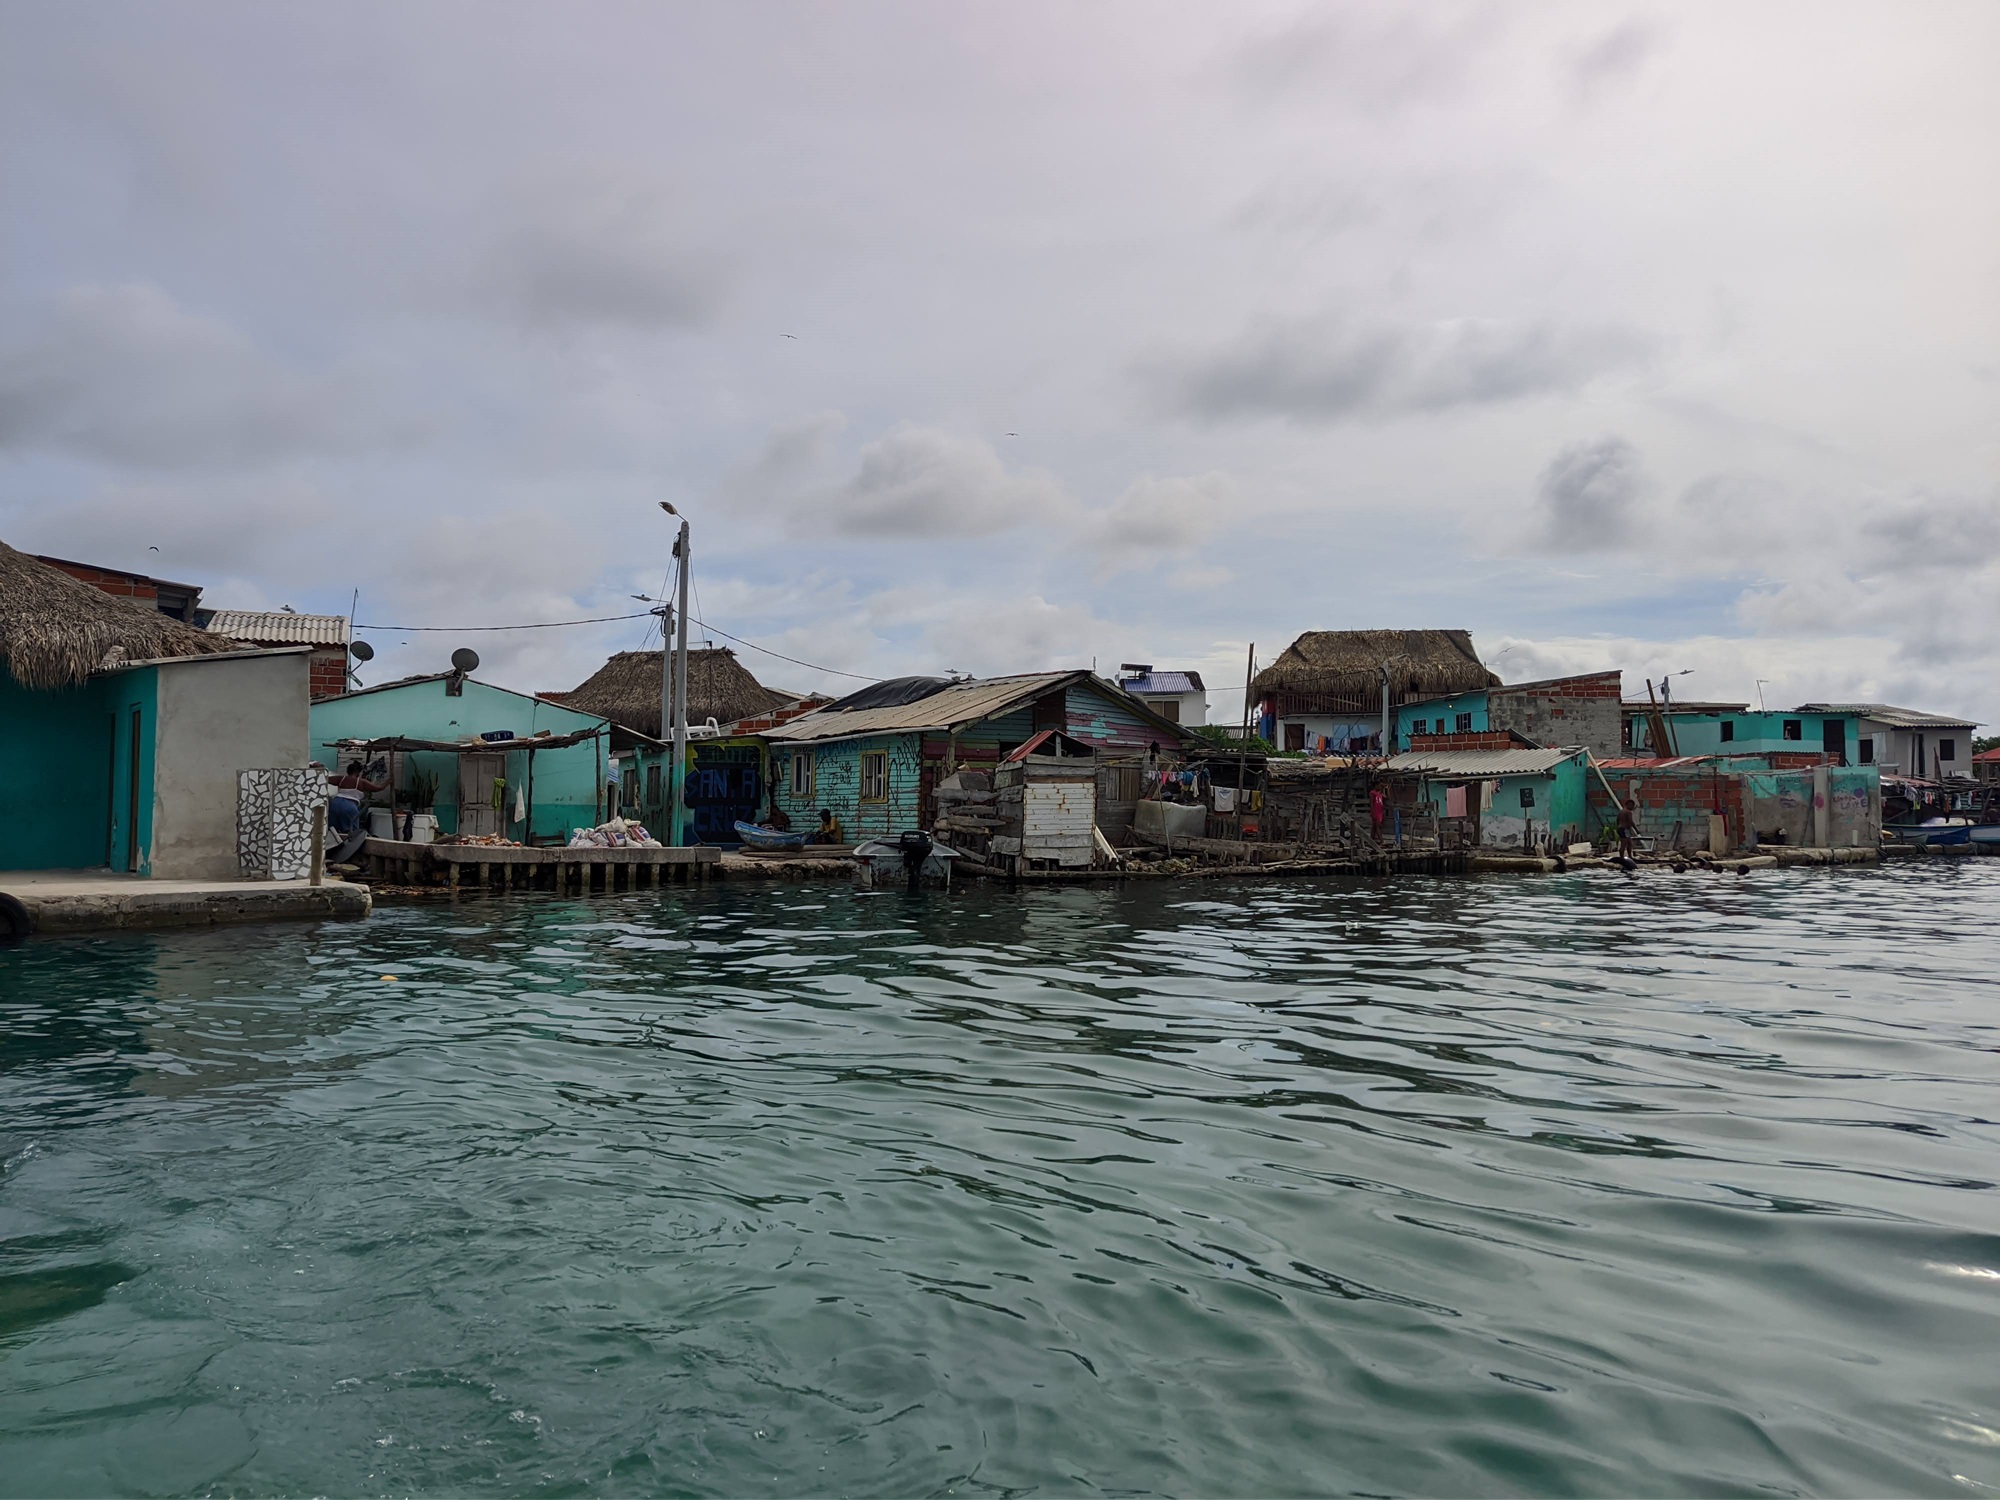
column 1906, row 740
column 875, row 757
column 1580, row 712
column 176, row 600
column 1986, row 765
column 328, row 636
column 1734, row 729
column 1329, row 688
column 1177, row 697
column 127, row 728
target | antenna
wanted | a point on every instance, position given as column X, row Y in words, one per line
column 465, row 659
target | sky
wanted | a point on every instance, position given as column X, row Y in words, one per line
column 996, row 337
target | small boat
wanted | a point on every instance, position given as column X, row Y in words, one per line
column 768, row 838
column 1986, row 833
column 1932, row 832
column 911, row 860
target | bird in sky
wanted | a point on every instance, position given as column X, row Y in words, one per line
column 788, row 335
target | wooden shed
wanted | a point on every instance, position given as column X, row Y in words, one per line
column 1045, row 793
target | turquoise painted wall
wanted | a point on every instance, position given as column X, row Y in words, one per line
column 66, row 794
column 1447, row 709
column 837, row 785
column 1559, row 803
column 1753, row 733
column 566, row 782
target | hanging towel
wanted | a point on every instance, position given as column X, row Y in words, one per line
column 520, row 805
column 1454, row 802
column 1225, row 799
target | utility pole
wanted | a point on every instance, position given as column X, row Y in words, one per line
column 666, row 616
column 676, row 703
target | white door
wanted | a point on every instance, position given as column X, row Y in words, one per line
column 476, row 775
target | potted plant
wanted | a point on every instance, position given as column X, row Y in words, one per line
column 417, row 823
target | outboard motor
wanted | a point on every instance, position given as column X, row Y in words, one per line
column 915, row 847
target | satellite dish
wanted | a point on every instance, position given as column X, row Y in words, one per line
column 464, row 659
column 362, row 651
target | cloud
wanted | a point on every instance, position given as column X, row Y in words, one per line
column 127, row 375
column 1332, row 370
column 1589, row 494
column 923, row 484
column 1371, row 60
column 1612, row 59
column 598, row 249
column 1933, row 532
column 1157, row 519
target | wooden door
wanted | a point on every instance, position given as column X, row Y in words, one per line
column 476, row 775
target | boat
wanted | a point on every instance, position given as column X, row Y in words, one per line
column 1932, row 832
column 768, row 838
column 911, row 860
column 1986, row 833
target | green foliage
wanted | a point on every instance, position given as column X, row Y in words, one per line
column 1984, row 742
column 1216, row 734
column 420, row 792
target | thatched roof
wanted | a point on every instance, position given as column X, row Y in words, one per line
column 626, row 690
column 1346, row 665
column 56, row 630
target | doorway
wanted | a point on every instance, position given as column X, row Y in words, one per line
column 1833, row 735
column 476, row 775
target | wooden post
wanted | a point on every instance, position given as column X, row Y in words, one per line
column 317, row 869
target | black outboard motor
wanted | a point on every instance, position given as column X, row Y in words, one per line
column 915, row 847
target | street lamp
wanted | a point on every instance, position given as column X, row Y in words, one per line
column 673, row 687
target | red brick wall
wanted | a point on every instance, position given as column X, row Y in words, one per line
column 1681, row 798
column 1478, row 739
column 327, row 673
column 124, row 585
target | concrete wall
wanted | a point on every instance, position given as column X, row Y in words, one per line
column 1584, row 711
column 1558, row 810
column 218, row 716
column 568, row 793
column 1433, row 710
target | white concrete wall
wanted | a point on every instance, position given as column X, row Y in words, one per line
column 218, row 716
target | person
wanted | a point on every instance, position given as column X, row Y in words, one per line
column 829, row 830
column 776, row 821
column 1378, row 810
column 343, row 812
column 1628, row 827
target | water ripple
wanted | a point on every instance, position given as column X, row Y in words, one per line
column 1434, row 1186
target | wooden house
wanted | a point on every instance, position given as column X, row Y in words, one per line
column 876, row 757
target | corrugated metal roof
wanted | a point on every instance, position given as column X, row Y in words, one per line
column 961, row 703
column 1164, row 682
column 1895, row 718
column 1477, row 765
column 278, row 627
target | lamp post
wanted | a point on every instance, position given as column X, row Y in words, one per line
column 675, row 703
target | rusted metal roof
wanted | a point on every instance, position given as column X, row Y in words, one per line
column 1479, row 765
column 278, row 627
column 961, row 703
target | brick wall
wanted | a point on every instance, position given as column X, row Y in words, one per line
column 1477, row 739
column 1582, row 710
column 124, row 585
column 326, row 675
column 1674, row 805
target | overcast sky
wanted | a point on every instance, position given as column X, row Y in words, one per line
column 997, row 337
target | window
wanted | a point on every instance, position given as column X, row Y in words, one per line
column 1947, row 750
column 1168, row 709
column 628, row 792
column 1295, row 736
column 875, row 776
column 802, row 773
column 1461, row 725
column 1867, row 743
column 1418, row 726
column 653, row 784
column 1728, row 730
column 1795, row 729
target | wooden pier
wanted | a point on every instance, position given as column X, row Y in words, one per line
column 500, row 868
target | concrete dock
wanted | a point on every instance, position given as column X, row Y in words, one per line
column 51, row 901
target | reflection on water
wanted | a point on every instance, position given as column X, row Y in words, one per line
column 1448, row 1186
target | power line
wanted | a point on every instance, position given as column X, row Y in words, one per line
column 605, row 619
column 537, row 625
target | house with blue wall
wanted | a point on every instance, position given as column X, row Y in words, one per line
column 874, row 757
column 1522, row 798
column 1455, row 713
column 495, row 770
column 1730, row 730
column 126, row 730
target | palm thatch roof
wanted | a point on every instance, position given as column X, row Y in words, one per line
column 626, row 690
column 56, row 630
column 1344, row 666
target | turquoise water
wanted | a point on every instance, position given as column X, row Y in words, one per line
column 1474, row 1186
